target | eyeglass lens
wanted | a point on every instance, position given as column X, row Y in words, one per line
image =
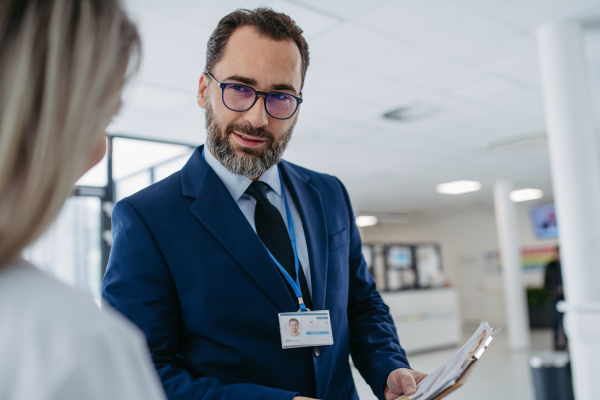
column 240, row 98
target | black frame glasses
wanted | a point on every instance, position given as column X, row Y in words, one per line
column 265, row 95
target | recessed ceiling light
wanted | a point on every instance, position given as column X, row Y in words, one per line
column 458, row 187
column 365, row 220
column 526, row 194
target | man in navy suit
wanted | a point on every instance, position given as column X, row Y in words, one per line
column 205, row 260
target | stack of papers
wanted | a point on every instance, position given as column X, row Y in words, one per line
column 449, row 374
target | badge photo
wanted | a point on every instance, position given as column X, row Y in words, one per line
column 305, row 329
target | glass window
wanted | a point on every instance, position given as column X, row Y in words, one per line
column 168, row 168
column 139, row 163
column 97, row 176
column 132, row 155
column 70, row 249
column 132, row 184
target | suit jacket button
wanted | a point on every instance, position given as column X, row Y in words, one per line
column 317, row 351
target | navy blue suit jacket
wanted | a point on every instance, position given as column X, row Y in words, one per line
column 189, row 270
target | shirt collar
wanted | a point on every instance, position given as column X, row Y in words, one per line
column 237, row 184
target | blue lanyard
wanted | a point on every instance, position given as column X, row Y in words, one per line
column 295, row 285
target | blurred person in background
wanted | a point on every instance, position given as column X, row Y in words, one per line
column 554, row 286
column 238, row 236
column 63, row 65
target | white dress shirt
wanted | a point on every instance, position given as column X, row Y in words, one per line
column 56, row 344
column 237, row 185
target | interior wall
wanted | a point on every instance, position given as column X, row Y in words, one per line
column 467, row 238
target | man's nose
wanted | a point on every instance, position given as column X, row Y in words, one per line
column 257, row 116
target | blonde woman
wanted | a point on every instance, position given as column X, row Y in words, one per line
column 63, row 64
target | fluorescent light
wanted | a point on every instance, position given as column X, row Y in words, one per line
column 526, row 194
column 458, row 187
column 365, row 220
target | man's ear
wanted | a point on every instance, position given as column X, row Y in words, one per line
column 202, row 91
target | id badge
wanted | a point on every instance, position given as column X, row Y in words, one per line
column 305, row 329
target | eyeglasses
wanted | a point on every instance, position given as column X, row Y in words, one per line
column 240, row 98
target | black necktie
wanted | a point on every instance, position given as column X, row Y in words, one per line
column 273, row 233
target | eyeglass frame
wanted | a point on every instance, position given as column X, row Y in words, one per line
column 224, row 86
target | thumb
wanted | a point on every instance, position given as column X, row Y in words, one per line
column 408, row 384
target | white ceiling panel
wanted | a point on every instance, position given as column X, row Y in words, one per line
column 480, row 4
column 207, row 13
column 523, row 48
column 411, row 18
column 313, row 23
column 398, row 61
column 174, row 55
column 530, row 14
column 467, row 34
column 341, row 9
column 362, row 87
column 445, row 74
column 349, row 43
column 515, row 59
column 527, row 103
column 153, row 112
column 486, row 88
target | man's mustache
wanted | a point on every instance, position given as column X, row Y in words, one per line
column 248, row 130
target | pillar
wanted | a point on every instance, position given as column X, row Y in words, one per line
column 575, row 168
column 507, row 224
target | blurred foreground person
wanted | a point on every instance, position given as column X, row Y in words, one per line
column 63, row 64
column 554, row 286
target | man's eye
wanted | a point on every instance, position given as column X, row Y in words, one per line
column 280, row 96
column 239, row 88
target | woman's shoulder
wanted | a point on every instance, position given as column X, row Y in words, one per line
column 57, row 337
column 34, row 305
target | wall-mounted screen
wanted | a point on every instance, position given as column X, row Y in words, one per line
column 429, row 265
column 544, row 221
column 400, row 267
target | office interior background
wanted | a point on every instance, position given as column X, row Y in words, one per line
column 401, row 96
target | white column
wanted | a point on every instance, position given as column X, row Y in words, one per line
column 576, row 179
column 507, row 224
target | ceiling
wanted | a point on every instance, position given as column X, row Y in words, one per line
column 472, row 61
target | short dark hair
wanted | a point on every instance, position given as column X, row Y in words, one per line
column 274, row 25
column 293, row 319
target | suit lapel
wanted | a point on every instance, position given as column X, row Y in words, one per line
column 217, row 211
column 307, row 199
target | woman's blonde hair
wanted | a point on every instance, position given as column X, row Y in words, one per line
column 61, row 64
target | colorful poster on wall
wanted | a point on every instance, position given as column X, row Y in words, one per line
column 533, row 259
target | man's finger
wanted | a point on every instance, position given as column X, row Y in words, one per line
column 408, row 383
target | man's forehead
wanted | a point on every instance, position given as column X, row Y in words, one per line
column 266, row 61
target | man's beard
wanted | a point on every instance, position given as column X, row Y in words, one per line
column 248, row 162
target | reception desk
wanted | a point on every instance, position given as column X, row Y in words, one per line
column 426, row 319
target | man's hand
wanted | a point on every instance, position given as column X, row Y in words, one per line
column 402, row 381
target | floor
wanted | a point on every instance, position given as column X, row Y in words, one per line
column 500, row 375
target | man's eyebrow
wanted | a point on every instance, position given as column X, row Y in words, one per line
column 243, row 79
column 251, row 81
column 283, row 86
